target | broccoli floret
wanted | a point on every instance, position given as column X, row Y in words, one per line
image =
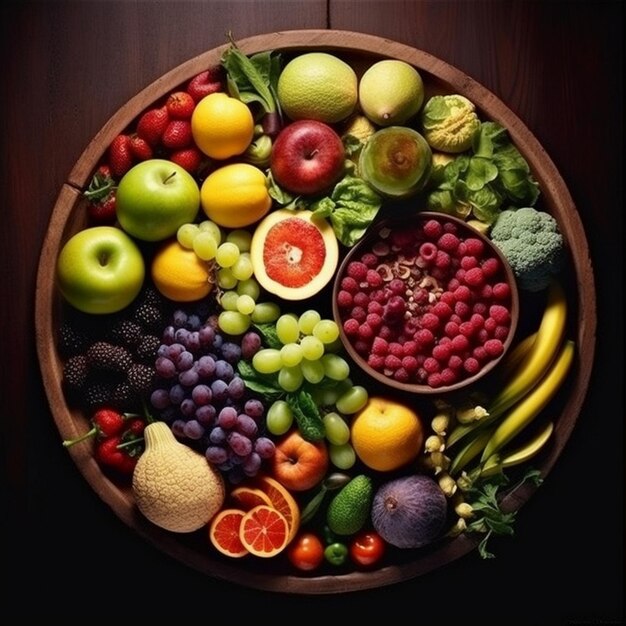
column 532, row 243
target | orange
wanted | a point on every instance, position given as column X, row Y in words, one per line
column 222, row 126
column 282, row 501
column 224, row 533
column 246, row 498
column 179, row 274
column 386, row 434
column 235, row 195
column 264, row 531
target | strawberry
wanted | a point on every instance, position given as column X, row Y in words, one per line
column 101, row 196
column 177, row 135
column 105, row 423
column 109, row 454
column 152, row 124
column 140, row 148
column 120, row 156
column 188, row 158
column 206, row 82
column 180, row 105
column 104, row 211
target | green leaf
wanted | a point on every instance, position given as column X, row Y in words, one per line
column 259, row 383
column 307, row 416
column 269, row 335
column 313, row 505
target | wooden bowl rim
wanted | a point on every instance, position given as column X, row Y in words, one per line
column 554, row 193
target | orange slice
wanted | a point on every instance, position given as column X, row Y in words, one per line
column 224, row 532
column 282, row 501
column 246, row 498
column 264, row 531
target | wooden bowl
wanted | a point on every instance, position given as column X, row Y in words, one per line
column 463, row 231
column 69, row 216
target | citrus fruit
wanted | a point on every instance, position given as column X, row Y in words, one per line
column 264, row 531
column 317, row 86
column 386, row 434
column 224, row 532
column 391, row 92
column 179, row 274
column 282, row 501
column 246, row 498
column 235, row 195
column 222, row 126
column 294, row 254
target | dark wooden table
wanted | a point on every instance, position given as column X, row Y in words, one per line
column 68, row 66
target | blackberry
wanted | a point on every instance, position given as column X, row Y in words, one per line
column 76, row 371
column 71, row 340
column 123, row 397
column 110, row 357
column 149, row 316
column 140, row 378
column 147, row 348
column 126, row 333
column 98, row 394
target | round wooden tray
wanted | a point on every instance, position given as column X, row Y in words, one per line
column 359, row 50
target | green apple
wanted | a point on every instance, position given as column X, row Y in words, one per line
column 100, row 270
column 154, row 198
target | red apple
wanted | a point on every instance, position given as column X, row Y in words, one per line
column 307, row 157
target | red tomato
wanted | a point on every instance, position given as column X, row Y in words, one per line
column 367, row 548
column 306, row 552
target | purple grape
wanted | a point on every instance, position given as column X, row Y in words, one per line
column 189, row 377
column 175, row 350
column 226, row 466
column 236, row 388
column 246, row 425
column 254, row 408
column 206, row 335
column 168, row 335
column 250, row 344
column 252, row 464
column 177, row 394
column 219, row 389
column 164, row 367
column 218, row 340
column 231, row 352
column 163, row 350
column 188, row 407
column 227, row 417
column 205, row 367
column 217, row 455
column 193, row 322
column 239, row 444
column 264, row 447
column 160, row 398
column 193, row 341
column 179, row 318
column 201, row 394
column 184, row 361
column 193, row 429
column 224, row 370
column 217, row 435
column 178, row 428
column 205, row 414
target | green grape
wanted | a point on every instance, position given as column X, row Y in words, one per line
column 227, row 254
column 265, row 312
column 267, row 361
column 337, row 430
column 335, row 346
column 204, row 246
column 279, row 418
column 313, row 371
column 335, row 367
column 225, row 278
column 213, row 228
column 291, row 354
column 241, row 238
column 352, row 400
column 326, row 331
column 312, row 348
column 186, row 234
column 342, row 457
column 290, row 378
column 245, row 304
column 228, row 301
column 233, row 322
column 249, row 287
column 242, row 267
column 287, row 329
column 307, row 321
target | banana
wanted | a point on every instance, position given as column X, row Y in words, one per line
column 533, row 403
column 495, row 463
column 516, row 356
column 539, row 354
column 470, row 451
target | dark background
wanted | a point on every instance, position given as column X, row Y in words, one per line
column 68, row 66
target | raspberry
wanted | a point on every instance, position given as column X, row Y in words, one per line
column 477, row 321
column 351, row 327
column 410, row 348
column 385, row 332
column 358, row 313
column 361, row 299
column 486, row 292
column 378, row 295
column 376, row 361
column 375, row 307
column 462, row 309
column 474, row 247
column 373, row 278
column 482, row 335
column 448, row 376
column 501, row 291
column 448, row 242
column 357, row 270
column 453, row 284
column 434, row 380
column 480, row 354
column 462, row 294
column 380, row 346
column 344, row 299
column 409, row 363
column 474, row 277
column 451, row 329
column 480, row 308
column 471, row 365
column 431, row 365
column 500, row 313
column 430, row 321
column 396, row 349
column 397, row 287
column 466, row 329
column 401, row 375
column 491, row 266
column 442, row 310
column 428, row 252
column 349, row 284
column 362, row 347
column 424, row 336
column 374, row 320
column 460, row 344
column 501, row 333
column 392, row 362
column 369, row 259
column 455, row 362
column 442, row 352
column 469, row 262
column 432, row 229
column 442, row 260
column 448, row 298
column 365, row 332
column 490, row 325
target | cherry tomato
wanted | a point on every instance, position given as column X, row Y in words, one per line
column 367, row 548
column 306, row 551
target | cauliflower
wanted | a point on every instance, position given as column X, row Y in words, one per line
column 531, row 242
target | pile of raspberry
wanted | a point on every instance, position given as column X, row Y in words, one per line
column 427, row 305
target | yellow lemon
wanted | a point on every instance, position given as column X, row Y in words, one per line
column 386, row 434
column 222, row 126
column 317, row 86
column 235, row 195
column 179, row 274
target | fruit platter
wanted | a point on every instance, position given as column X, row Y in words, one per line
column 315, row 313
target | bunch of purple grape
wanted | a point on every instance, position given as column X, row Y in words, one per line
column 199, row 392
